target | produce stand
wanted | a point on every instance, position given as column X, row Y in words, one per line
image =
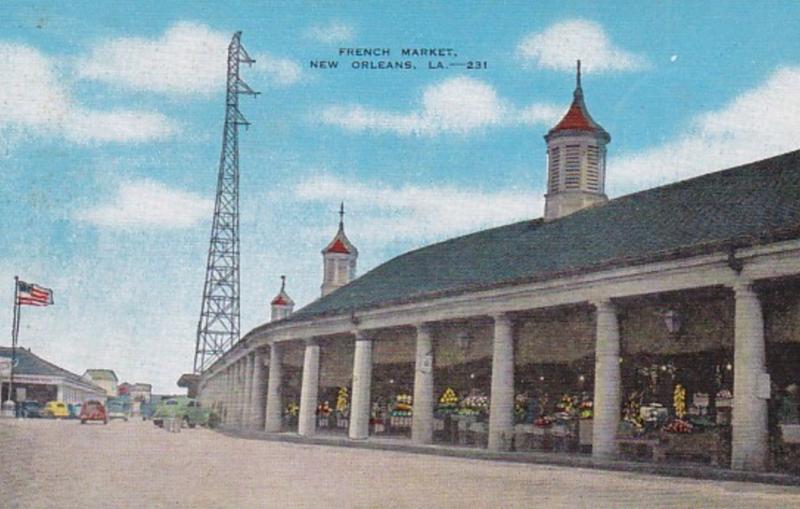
column 708, row 445
column 585, row 428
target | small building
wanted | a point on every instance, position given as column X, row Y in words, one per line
column 189, row 382
column 105, row 378
column 141, row 392
column 39, row 380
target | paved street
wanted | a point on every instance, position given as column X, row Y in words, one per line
column 134, row 464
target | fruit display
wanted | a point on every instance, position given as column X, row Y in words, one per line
column 567, row 404
column 342, row 401
column 679, row 401
column 543, row 422
column 402, row 405
column 520, row 407
column 586, row 409
column 679, row 426
column 448, row 401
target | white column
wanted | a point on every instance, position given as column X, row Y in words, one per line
column 274, row 412
column 608, row 382
column 258, row 391
column 226, row 395
column 749, row 425
column 422, row 416
column 362, row 380
column 501, row 409
column 247, row 379
column 309, row 390
column 237, row 394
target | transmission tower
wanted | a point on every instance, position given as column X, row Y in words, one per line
column 218, row 327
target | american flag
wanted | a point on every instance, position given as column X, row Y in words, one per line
column 29, row 294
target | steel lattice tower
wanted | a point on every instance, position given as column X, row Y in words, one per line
column 218, row 327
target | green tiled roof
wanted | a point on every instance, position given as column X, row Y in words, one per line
column 755, row 203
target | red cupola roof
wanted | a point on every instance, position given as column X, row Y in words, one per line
column 578, row 117
column 340, row 243
column 337, row 247
column 282, row 299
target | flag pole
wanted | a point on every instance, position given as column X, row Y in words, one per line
column 9, row 409
column 14, row 336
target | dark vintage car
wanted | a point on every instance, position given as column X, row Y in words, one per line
column 93, row 411
column 29, row 409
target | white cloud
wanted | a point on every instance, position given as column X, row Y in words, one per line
column 279, row 71
column 332, row 33
column 456, row 105
column 188, row 59
column 33, row 98
column 760, row 123
column 397, row 214
column 561, row 44
column 148, row 204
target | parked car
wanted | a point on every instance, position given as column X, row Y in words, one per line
column 74, row 410
column 93, row 411
column 118, row 408
column 147, row 410
column 189, row 411
column 55, row 410
column 29, row 409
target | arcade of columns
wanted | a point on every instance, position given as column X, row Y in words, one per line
column 250, row 401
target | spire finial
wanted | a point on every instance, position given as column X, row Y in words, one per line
column 341, row 215
column 283, row 283
column 578, row 85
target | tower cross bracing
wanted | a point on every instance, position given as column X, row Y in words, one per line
column 218, row 327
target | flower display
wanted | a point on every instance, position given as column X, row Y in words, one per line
column 679, row 426
column 292, row 409
column 474, row 404
column 324, row 409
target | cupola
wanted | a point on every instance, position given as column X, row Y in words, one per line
column 576, row 160
column 339, row 259
column 282, row 305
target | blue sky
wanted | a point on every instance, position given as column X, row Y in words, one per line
column 111, row 120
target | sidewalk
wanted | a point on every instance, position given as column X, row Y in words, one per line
column 693, row 471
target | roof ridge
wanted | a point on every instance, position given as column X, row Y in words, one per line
column 688, row 181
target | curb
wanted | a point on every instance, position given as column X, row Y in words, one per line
column 700, row 472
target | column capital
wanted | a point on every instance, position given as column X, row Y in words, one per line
column 311, row 342
column 361, row 335
column 743, row 288
column 424, row 328
column 501, row 319
column 604, row 305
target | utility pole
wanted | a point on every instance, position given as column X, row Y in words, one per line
column 218, row 327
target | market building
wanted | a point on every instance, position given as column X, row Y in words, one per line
column 105, row 378
column 36, row 379
column 663, row 325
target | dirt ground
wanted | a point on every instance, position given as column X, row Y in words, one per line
column 46, row 463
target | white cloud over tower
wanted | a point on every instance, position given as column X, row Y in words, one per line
column 457, row 105
column 188, row 59
column 561, row 44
